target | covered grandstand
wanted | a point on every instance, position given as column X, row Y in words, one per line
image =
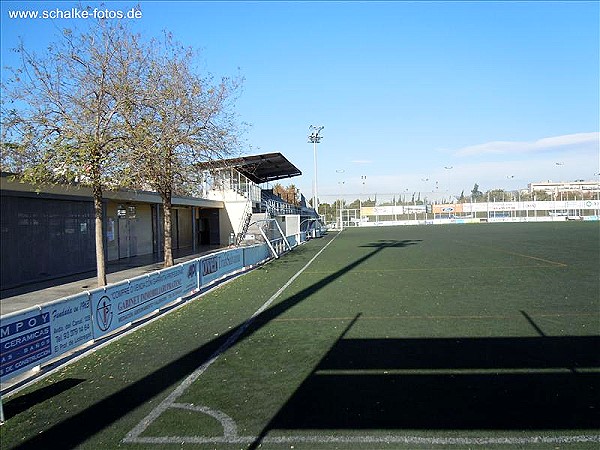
column 241, row 183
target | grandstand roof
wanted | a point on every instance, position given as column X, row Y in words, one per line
column 260, row 168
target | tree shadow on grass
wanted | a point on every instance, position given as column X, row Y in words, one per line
column 24, row 402
column 76, row 429
column 391, row 243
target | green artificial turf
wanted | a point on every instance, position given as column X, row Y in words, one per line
column 393, row 337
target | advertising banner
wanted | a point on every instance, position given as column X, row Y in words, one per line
column 503, row 206
column 191, row 277
column 367, row 211
column 411, row 209
column 387, row 210
column 122, row 303
column 255, row 254
column 25, row 341
column 71, row 323
column 448, row 208
column 215, row 266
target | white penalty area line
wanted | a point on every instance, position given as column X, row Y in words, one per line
column 170, row 401
column 382, row 439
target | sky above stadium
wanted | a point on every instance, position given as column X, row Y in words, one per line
column 413, row 96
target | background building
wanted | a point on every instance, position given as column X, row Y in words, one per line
column 48, row 232
column 580, row 186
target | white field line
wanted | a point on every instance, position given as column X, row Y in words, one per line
column 228, row 424
column 168, row 402
column 385, row 439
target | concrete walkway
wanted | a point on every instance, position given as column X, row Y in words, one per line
column 23, row 297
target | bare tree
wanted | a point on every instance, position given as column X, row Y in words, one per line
column 179, row 123
column 61, row 113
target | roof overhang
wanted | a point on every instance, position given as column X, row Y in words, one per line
column 12, row 186
column 259, row 168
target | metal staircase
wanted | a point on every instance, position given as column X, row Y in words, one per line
column 246, row 218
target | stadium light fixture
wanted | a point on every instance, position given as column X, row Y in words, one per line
column 341, row 208
column 314, row 138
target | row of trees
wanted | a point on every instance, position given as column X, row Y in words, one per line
column 109, row 109
column 502, row 195
column 476, row 195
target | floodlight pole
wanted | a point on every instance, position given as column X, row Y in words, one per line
column 341, row 183
column 314, row 138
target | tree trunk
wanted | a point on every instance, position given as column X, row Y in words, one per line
column 99, row 231
column 168, row 248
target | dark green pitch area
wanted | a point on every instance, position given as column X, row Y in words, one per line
column 457, row 336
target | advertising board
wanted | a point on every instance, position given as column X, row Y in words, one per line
column 255, row 254
column 25, row 341
column 122, row 303
column 215, row 266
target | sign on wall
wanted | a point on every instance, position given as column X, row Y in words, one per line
column 256, row 254
column 220, row 264
column 190, row 278
column 25, row 341
column 71, row 323
column 120, row 304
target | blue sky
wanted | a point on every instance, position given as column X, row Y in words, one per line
column 416, row 96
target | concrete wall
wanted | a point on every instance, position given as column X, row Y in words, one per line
column 230, row 218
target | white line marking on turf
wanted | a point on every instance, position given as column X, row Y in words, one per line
column 385, row 439
column 134, row 434
column 229, row 426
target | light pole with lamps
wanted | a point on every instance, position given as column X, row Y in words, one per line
column 314, row 138
column 341, row 183
column 363, row 179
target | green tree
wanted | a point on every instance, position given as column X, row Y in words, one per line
column 542, row 196
column 476, row 194
column 497, row 195
column 369, row 202
column 356, row 204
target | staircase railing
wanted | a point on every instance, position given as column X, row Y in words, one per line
column 246, row 218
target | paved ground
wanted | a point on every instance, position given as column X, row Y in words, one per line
column 23, row 297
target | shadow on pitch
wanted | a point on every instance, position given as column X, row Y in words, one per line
column 24, row 402
column 80, row 426
column 450, row 384
column 391, row 243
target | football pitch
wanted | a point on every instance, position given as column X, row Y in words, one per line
column 456, row 336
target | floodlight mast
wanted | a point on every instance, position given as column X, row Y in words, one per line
column 314, row 138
